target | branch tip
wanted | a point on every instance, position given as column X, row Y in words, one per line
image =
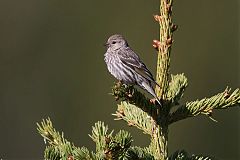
column 169, row 41
column 156, row 44
column 157, row 18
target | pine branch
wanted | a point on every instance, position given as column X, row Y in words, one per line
column 183, row 155
column 52, row 153
column 134, row 116
column 100, row 136
column 119, row 145
column 132, row 96
column 176, row 88
column 83, row 154
column 58, row 147
column 164, row 46
column 108, row 147
column 159, row 137
column 139, row 153
column 206, row 106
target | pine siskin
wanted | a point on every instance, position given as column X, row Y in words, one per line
column 125, row 65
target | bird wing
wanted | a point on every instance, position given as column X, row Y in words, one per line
column 131, row 59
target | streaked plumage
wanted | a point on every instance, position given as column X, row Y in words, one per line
column 125, row 65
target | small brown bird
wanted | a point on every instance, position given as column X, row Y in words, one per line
column 125, row 65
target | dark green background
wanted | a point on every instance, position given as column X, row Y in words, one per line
column 51, row 64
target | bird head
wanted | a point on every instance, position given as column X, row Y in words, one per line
column 116, row 42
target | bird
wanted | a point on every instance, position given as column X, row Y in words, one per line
column 126, row 66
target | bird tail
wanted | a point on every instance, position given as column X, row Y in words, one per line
column 148, row 87
column 155, row 93
column 156, row 84
column 158, row 100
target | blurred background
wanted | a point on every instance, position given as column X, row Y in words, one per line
column 51, row 65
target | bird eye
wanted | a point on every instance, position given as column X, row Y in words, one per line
column 113, row 42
